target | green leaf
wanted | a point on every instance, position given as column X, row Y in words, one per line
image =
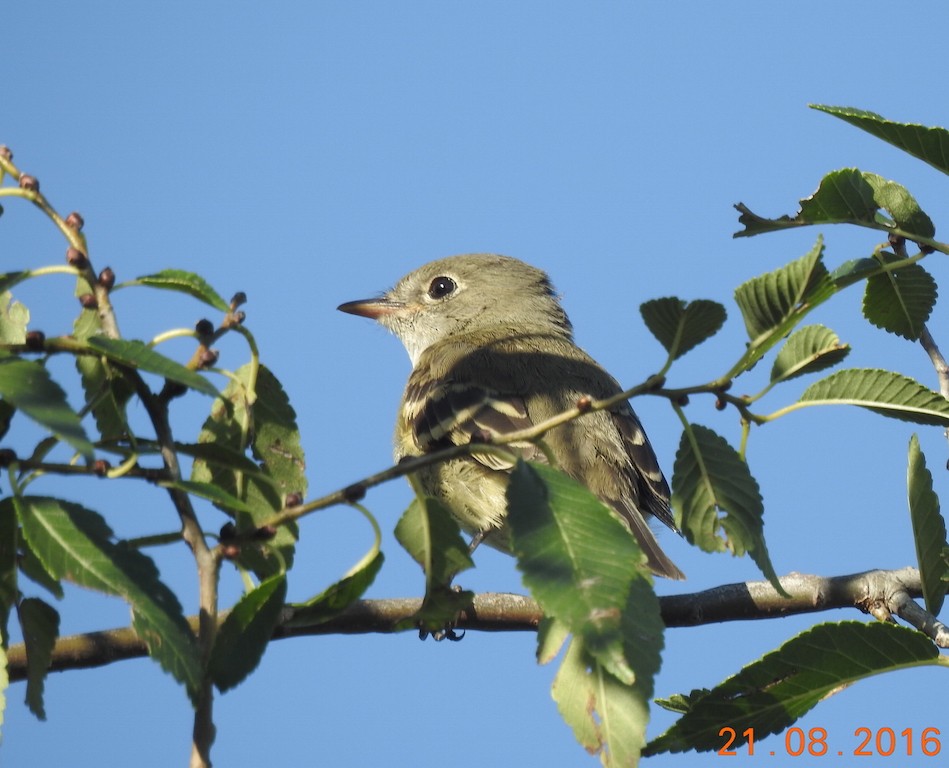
column 848, row 196
column 929, row 529
column 108, row 393
column 9, row 279
column 276, row 436
column 900, row 301
column 218, row 496
column 224, row 457
column 75, row 543
column 4, row 663
column 853, row 271
column 14, row 318
column 890, row 394
column 243, row 636
column 429, row 533
column 40, row 624
column 9, row 589
column 137, row 354
column 808, row 350
column 896, row 200
column 931, row 145
column 679, row 326
column 183, row 282
column 270, row 428
column 717, row 501
column 577, row 558
column 769, row 301
column 771, row 693
column 28, row 387
column 606, row 715
column 6, row 417
column 338, row 597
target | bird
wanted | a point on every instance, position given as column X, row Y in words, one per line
column 493, row 352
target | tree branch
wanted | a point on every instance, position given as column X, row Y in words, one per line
column 880, row 593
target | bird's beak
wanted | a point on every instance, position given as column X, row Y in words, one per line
column 372, row 308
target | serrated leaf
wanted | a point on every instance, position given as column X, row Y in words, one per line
column 14, row 318
column 679, row 326
column 929, row 529
column 8, row 566
column 243, row 636
column 270, row 427
column 606, row 715
column 276, row 436
column 137, row 354
column 896, row 200
column 717, row 501
column 552, row 635
column 27, row 386
column 40, row 625
column 808, row 350
column 931, row 145
column 848, row 196
column 76, row 544
column 108, row 393
column 771, row 693
column 336, row 598
column 900, row 301
column 890, row 394
column 768, row 302
column 224, row 457
column 576, row 557
column 182, row 282
column 429, row 533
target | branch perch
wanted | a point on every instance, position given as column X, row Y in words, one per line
column 880, row 593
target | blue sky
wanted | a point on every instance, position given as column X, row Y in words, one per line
column 310, row 154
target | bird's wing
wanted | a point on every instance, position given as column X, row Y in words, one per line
column 448, row 413
column 651, row 489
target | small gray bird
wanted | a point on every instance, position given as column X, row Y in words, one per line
column 492, row 352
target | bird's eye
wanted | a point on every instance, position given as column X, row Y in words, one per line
column 441, row 287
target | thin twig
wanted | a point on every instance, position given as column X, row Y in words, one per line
column 939, row 362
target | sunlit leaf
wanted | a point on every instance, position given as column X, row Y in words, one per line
column 337, row 597
column 14, row 318
column 772, row 693
column 606, row 715
column 885, row 392
column 429, row 533
column 930, row 145
column 929, row 529
column 768, row 302
column 848, row 196
column 27, row 385
column 183, row 282
column 268, row 428
column 717, row 501
column 137, row 354
column 808, row 350
column 108, row 392
column 577, row 558
column 76, row 544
